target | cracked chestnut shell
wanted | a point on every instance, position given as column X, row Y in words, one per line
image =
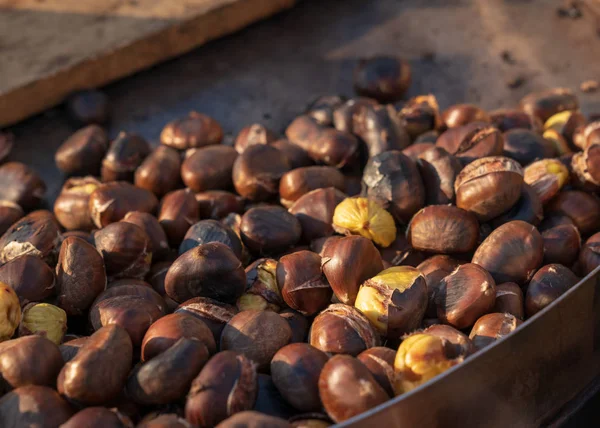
column 209, row 168
column 36, row 234
column 258, row 171
column 33, row 405
column 83, row 151
column 546, row 177
column 216, row 204
column 253, row 135
column 167, row 330
column 526, row 146
column 206, row 231
column 300, row 181
column 159, row 172
column 302, row 283
column 492, row 327
column 192, row 131
column 213, row 313
column 380, row 128
column 561, row 244
column 209, row 270
column 581, row 207
column 458, row 344
column 21, row 184
column 510, row 299
column 71, row 208
column 167, row 377
column 439, row 170
column 256, row 334
column 323, row 145
column 322, row 108
column 463, row 114
column 124, row 247
column 394, row 179
column 178, row 211
column 472, row 141
column 385, row 78
column 586, row 166
column 489, row 186
column 443, row 229
column 547, row 103
column 342, row 329
column 589, row 257
column 394, row 300
column 226, row 385
column 548, row 284
column 9, row 214
column 125, row 154
column 355, row 251
column 269, row 229
column 434, row 269
column 110, row 202
column 295, row 370
column 528, row 208
column 99, row 370
column 262, row 292
column 158, row 244
column 342, row 374
column 379, row 361
column 587, row 135
column 314, row 211
column 420, row 114
column 466, row 294
column 30, row 277
column 347, row 114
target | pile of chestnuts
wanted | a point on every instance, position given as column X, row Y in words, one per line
column 291, row 280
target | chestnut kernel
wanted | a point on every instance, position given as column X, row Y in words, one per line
column 548, row 284
column 341, row 375
column 125, row 154
column 193, row 131
column 269, row 229
column 257, row 172
column 366, row 217
column 209, row 168
column 385, row 78
column 262, row 291
column 492, row 327
column 342, row 329
column 43, row 319
column 82, row 152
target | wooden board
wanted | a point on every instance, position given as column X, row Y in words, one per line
column 49, row 48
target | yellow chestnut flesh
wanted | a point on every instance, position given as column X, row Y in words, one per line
column 45, row 320
column 10, row 312
column 362, row 216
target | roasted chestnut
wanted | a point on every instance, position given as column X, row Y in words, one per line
column 298, row 323
column 178, row 211
column 30, row 278
column 71, row 208
column 209, row 168
column 257, row 171
column 124, row 247
column 528, row 208
column 216, row 204
column 298, row 182
column 586, row 166
column 98, row 417
column 463, row 114
column 314, row 211
column 212, row 312
column 82, row 152
column 458, row 344
column 385, row 78
column 508, row 119
column 125, row 154
column 158, row 244
column 269, row 400
column 248, row 419
column 438, row 169
column 88, row 106
column 380, row 128
column 342, row 329
column 262, row 291
column 434, row 269
column 546, row 177
column 587, row 135
column 269, row 229
column 296, row 156
column 21, row 184
column 206, row 231
column 159, row 172
column 589, row 257
column 420, row 114
column 547, row 285
column 492, row 327
column 473, row 141
column 561, row 244
column 526, row 146
column 347, row 114
column 110, row 202
column 544, row 104
column 322, row 108
column 33, row 405
column 193, row 131
column 9, row 214
column 253, row 135
column 509, row 299
column 581, row 207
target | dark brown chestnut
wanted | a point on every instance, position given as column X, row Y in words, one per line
column 458, row 344
column 492, row 327
column 385, row 78
column 163, row 334
column 82, row 152
column 443, row 229
column 400, row 253
column 507, row 119
column 509, row 299
column 158, row 244
column 438, row 169
column 548, row 284
column 253, row 135
column 528, row 208
column 33, row 405
column 124, row 247
column 341, row 374
column 30, row 277
column 355, row 251
column 132, row 287
column 314, row 211
column 178, row 211
column 80, row 276
column 420, row 114
column 589, row 256
column 434, row 269
column 295, row 369
column 193, row 131
column 380, row 128
column 393, row 179
column 71, row 208
column 561, row 244
column 587, row 135
column 298, row 182
column 324, row 145
column 37, row 234
column 344, row 115
column 166, row 420
column 7, row 141
column 256, row 334
column 98, row 417
column 489, row 186
column 466, row 294
column 269, row 400
column 298, row 323
column 125, row 154
column 472, row 141
column 262, row 292
column 160, row 171
column 216, row 204
column 206, row 231
column 99, row 370
column 526, row 146
column 156, row 279
column 209, row 168
column 463, row 114
column 302, row 283
column 226, row 385
column 547, row 103
column 167, row 377
column 110, row 202
column 21, row 184
column 70, row 348
column 252, row 419
column 212, row 312
column 586, row 166
column 88, row 106
column 342, row 329
column 415, row 150
column 257, row 171
column 208, row 270
column 269, row 229
column 9, row 214
column 583, row 208
column 296, row 156
column 380, row 363
column 511, row 253
column 322, row 108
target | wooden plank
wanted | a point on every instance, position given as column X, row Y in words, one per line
column 49, row 49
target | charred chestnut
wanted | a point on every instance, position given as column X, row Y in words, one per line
column 384, row 78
